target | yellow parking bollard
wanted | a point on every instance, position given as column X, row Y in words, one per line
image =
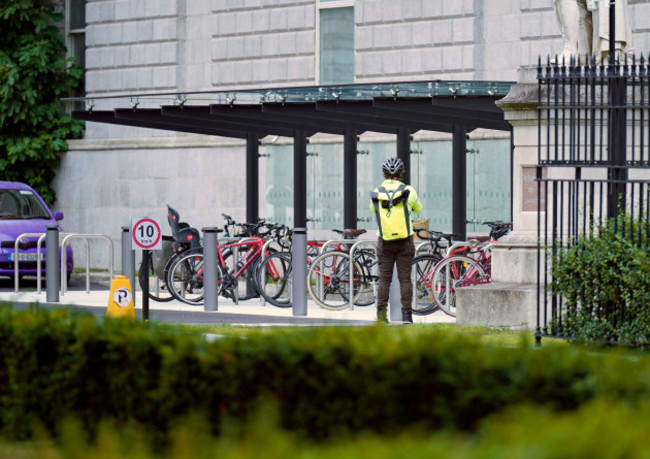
column 120, row 300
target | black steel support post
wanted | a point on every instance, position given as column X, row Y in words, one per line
column 404, row 151
column 299, row 243
column 252, row 177
column 350, row 179
column 459, row 181
column 299, row 179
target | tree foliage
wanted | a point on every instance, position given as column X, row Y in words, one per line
column 34, row 75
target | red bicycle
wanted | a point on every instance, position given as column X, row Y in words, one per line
column 186, row 275
column 466, row 264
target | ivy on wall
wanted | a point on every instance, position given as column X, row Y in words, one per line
column 34, row 75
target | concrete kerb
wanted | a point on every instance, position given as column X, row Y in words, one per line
column 98, row 298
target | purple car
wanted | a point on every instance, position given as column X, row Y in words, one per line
column 23, row 211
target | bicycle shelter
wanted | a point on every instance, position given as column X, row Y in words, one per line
column 399, row 108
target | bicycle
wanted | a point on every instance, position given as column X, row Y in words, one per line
column 274, row 272
column 423, row 269
column 328, row 277
column 458, row 269
column 185, row 276
column 183, row 238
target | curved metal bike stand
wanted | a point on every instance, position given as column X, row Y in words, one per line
column 352, row 250
column 64, row 258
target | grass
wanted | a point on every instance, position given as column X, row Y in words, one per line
column 486, row 335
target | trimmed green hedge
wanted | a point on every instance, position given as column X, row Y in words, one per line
column 326, row 381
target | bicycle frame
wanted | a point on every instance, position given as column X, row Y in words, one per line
column 255, row 249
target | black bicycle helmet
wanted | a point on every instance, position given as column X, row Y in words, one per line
column 392, row 166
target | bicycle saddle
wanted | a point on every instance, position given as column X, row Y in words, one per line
column 350, row 233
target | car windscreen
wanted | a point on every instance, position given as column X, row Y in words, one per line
column 21, row 204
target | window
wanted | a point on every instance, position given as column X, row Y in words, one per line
column 336, row 41
column 75, row 36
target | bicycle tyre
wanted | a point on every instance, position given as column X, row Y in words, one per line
column 186, row 278
column 423, row 269
column 366, row 260
column 448, row 273
column 157, row 291
column 273, row 279
column 328, row 281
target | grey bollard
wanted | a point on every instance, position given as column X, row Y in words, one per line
column 52, row 262
column 128, row 259
column 395, row 298
column 299, row 271
column 210, row 285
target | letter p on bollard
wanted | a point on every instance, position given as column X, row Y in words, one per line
column 120, row 300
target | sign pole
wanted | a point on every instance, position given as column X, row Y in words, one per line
column 146, row 259
column 145, row 236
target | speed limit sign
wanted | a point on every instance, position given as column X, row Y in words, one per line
column 146, row 234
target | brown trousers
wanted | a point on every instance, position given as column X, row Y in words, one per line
column 389, row 253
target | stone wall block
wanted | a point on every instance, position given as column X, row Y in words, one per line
column 145, row 77
column 463, row 30
column 136, row 9
column 261, row 20
column 382, row 36
column 277, row 19
column 243, row 22
column 234, row 48
column 412, row 61
column 129, row 32
column 401, row 35
column 305, row 42
column 145, row 30
column 226, row 24
column 431, row 9
column 168, row 52
column 252, row 46
column 270, row 45
column 121, row 56
column 422, row 33
column 452, row 7
column 442, row 33
column 164, row 29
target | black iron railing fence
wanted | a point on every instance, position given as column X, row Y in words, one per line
column 593, row 162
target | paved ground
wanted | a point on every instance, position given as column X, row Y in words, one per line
column 250, row 312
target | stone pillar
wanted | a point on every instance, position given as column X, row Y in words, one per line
column 514, row 257
column 510, row 299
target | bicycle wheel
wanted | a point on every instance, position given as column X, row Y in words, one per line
column 328, row 280
column 450, row 274
column 423, row 268
column 273, row 279
column 158, row 290
column 367, row 262
column 186, row 278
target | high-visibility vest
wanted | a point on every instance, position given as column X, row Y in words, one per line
column 392, row 212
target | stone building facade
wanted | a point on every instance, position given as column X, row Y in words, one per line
column 173, row 46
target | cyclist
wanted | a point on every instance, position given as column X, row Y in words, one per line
column 393, row 202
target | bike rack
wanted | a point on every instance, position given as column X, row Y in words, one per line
column 340, row 241
column 64, row 258
column 352, row 250
column 38, row 259
column 266, row 246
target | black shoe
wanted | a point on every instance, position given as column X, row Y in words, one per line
column 382, row 316
column 407, row 317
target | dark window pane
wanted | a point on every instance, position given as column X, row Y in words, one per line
column 337, row 45
column 77, row 11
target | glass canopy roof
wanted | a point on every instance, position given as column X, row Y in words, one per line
column 306, row 94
